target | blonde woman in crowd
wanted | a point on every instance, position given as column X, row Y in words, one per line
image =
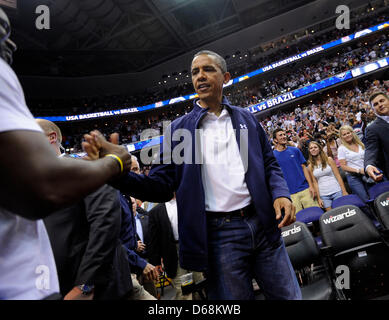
column 326, row 177
column 351, row 156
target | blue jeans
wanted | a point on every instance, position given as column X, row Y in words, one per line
column 238, row 253
column 358, row 187
column 327, row 200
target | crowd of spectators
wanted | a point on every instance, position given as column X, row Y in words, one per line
column 317, row 120
column 255, row 59
column 108, row 245
column 291, row 45
column 345, row 59
column 322, row 121
column 341, row 61
column 322, row 118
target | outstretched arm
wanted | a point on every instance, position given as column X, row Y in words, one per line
column 30, row 173
column 157, row 187
column 371, row 155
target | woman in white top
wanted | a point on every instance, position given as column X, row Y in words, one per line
column 326, row 177
column 351, row 155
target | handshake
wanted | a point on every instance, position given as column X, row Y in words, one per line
column 96, row 147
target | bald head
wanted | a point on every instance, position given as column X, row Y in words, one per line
column 52, row 132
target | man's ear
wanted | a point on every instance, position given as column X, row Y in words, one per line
column 53, row 137
column 227, row 77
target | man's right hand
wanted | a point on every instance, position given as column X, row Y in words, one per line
column 150, row 272
column 96, row 146
column 374, row 173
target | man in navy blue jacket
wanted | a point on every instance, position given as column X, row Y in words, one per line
column 138, row 265
column 229, row 211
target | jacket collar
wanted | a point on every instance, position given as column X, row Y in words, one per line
column 198, row 110
column 384, row 118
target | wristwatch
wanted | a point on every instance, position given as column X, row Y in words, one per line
column 86, row 288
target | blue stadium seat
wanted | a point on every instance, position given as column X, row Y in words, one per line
column 309, row 214
column 351, row 199
column 378, row 189
column 354, row 200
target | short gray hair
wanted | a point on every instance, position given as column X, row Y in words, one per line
column 134, row 160
column 218, row 59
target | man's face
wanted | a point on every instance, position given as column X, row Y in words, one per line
column 381, row 105
column 207, row 78
column 135, row 165
column 281, row 138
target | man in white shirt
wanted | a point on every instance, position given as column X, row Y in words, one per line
column 229, row 212
column 30, row 172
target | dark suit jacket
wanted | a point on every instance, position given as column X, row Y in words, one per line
column 86, row 246
column 144, row 221
column 377, row 145
column 162, row 243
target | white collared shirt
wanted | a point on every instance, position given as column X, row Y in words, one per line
column 139, row 229
column 171, row 208
column 222, row 171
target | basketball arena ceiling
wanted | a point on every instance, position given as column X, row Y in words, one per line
column 87, row 37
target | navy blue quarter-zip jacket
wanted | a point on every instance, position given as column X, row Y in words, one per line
column 263, row 177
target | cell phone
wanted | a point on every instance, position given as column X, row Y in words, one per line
column 380, row 171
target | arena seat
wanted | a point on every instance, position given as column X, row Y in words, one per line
column 303, row 252
column 378, row 189
column 309, row 214
column 353, row 199
column 381, row 205
column 357, row 245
